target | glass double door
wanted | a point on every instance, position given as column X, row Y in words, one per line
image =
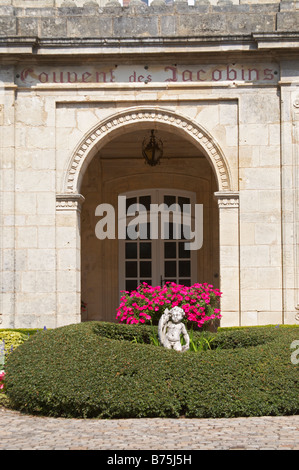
column 154, row 250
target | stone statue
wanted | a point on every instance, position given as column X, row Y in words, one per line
column 170, row 329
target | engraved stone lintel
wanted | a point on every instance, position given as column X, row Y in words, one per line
column 227, row 199
column 67, row 202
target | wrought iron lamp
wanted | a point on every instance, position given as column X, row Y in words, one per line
column 152, row 149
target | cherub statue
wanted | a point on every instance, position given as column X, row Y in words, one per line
column 170, row 329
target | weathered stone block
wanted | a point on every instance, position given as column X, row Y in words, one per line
column 86, row 27
column 41, row 259
column 8, row 26
column 248, row 23
column 286, row 5
column 258, row 300
column 70, row 11
column 27, row 26
column 6, row 10
column 53, row 27
column 287, row 21
column 201, row 23
column 255, row 256
column 263, row 7
column 135, row 26
column 26, row 237
column 25, row 203
column 168, row 25
column 46, row 237
column 39, row 12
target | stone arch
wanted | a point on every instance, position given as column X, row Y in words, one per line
column 142, row 117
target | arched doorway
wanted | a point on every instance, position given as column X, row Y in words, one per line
column 92, row 171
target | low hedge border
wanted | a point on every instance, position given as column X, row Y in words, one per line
column 77, row 371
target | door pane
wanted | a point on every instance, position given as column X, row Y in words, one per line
column 171, row 231
column 170, row 249
column 182, row 201
column 131, row 268
column 145, row 201
column 145, row 250
column 169, row 200
column 185, row 282
column 184, row 268
column 170, row 268
column 182, row 252
column 186, row 232
column 131, row 250
column 145, row 231
column 145, row 268
column 130, row 201
column 131, row 284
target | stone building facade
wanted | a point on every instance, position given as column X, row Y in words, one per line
column 82, row 84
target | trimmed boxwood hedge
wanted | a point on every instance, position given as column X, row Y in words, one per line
column 93, row 370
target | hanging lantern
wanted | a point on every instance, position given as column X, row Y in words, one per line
column 152, row 149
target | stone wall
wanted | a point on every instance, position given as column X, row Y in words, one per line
column 81, row 3
column 70, row 19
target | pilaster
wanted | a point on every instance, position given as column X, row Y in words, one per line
column 68, row 288
column 228, row 204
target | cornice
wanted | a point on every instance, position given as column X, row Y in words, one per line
column 69, row 202
column 227, row 199
column 66, row 46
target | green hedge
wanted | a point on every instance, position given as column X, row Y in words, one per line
column 94, row 370
column 225, row 339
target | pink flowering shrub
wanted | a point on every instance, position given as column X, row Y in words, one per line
column 200, row 303
column 2, row 375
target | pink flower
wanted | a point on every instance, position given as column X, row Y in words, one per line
column 135, row 305
column 2, row 375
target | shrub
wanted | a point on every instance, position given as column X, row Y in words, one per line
column 139, row 333
column 200, row 303
column 243, row 338
column 77, row 371
column 9, row 340
column 25, row 331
